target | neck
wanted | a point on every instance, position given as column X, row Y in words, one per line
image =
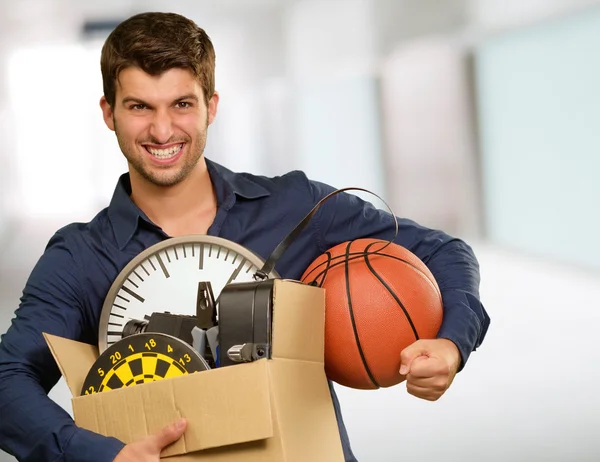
column 188, row 207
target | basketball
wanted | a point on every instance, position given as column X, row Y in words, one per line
column 378, row 300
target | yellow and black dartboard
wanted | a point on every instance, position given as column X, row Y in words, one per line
column 142, row 358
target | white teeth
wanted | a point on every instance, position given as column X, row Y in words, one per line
column 165, row 153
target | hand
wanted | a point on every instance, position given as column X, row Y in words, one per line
column 148, row 449
column 429, row 367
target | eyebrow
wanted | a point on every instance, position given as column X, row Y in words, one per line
column 132, row 99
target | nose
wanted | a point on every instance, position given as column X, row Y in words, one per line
column 161, row 127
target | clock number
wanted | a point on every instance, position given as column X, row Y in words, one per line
column 116, row 357
column 100, row 372
column 169, row 349
column 131, row 348
column 150, row 344
column 90, row 390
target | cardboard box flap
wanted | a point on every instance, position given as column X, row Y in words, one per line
column 302, row 398
column 74, row 360
column 298, row 321
column 222, row 406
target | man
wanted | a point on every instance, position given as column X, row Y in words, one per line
column 159, row 99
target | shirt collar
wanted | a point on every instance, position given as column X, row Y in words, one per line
column 124, row 215
column 238, row 183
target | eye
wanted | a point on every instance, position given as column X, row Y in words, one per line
column 137, row 107
column 184, row 105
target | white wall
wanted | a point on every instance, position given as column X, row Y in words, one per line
column 539, row 110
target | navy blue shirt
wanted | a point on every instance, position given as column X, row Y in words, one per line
column 66, row 289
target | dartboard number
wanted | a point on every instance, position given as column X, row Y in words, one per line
column 142, row 358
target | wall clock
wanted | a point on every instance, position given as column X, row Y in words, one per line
column 165, row 278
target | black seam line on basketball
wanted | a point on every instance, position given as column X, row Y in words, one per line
column 355, row 256
column 342, row 259
column 351, row 311
column 389, row 289
column 326, row 270
column 416, row 268
column 328, row 265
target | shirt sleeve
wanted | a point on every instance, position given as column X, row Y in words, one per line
column 33, row 427
column 452, row 262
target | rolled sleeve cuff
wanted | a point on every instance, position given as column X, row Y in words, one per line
column 462, row 323
column 92, row 447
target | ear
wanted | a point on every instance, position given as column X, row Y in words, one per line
column 212, row 107
column 107, row 113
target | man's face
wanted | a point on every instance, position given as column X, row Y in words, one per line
column 160, row 123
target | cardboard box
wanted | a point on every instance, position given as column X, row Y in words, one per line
column 270, row 410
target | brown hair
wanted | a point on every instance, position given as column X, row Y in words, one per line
column 155, row 43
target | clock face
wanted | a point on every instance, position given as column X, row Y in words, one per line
column 166, row 276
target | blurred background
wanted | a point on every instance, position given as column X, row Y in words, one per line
column 480, row 117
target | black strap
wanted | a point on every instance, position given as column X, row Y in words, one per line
column 269, row 265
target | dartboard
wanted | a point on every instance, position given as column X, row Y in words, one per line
column 142, row 358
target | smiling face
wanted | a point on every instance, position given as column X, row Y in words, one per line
column 160, row 123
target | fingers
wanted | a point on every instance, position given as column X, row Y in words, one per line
column 168, row 434
column 410, row 353
column 424, row 367
column 429, row 393
column 428, row 379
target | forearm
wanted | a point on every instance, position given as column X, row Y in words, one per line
column 450, row 260
column 39, row 429
column 456, row 270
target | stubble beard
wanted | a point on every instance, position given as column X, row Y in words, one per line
column 167, row 177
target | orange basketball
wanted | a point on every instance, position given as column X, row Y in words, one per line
column 379, row 300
